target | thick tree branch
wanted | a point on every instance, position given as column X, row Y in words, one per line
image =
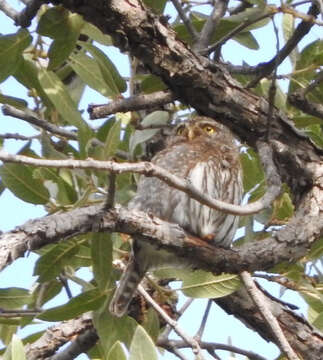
column 83, row 343
column 58, row 335
column 133, row 103
column 288, row 244
column 149, row 169
column 303, row 338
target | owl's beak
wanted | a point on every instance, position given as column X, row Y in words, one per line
column 191, row 133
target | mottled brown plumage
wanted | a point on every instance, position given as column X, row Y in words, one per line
column 204, row 152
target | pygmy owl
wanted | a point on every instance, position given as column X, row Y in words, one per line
column 205, row 153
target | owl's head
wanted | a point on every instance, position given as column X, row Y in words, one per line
column 204, row 127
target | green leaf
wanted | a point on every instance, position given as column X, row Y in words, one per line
column 202, row 284
column 45, row 292
column 316, row 250
column 151, row 323
column 318, row 322
column 116, row 352
column 112, row 141
column 59, row 23
column 308, row 61
column 157, row 6
column 96, row 34
column 280, row 97
column 316, row 134
column 111, row 329
column 305, row 120
column 89, row 71
column 82, row 258
column 17, row 349
column 62, row 46
column 64, row 104
column 283, row 209
column 101, row 246
column 27, row 75
column 14, row 298
column 11, row 47
column 51, row 263
column 252, row 170
column 59, row 51
column 288, row 30
column 152, row 83
column 87, row 301
column 13, row 101
column 140, row 136
column 247, row 39
column 313, row 297
column 142, row 347
column 19, row 179
column 109, row 72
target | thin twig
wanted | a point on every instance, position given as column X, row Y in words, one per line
column 210, row 25
column 109, row 203
column 180, row 332
column 176, row 352
column 30, row 117
column 164, row 335
column 5, row 313
column 264, row 69
column 149, row 169
column 133, row 103
column 189, row 26
column 8, row 10
column 233, row 33
column 272, row 88
column 212, row 346
column 261, row 302
column 18, row 137
column 200, row 331
column 64, row 281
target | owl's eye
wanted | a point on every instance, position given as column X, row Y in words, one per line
column 209, row 129
column 180, row 130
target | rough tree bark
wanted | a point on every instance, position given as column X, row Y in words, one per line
column 211, row 90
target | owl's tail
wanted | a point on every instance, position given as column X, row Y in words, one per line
column 129, row 282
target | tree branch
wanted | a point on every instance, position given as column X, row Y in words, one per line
column 189, row 26
column 30, row 11
column 58, row 335
column 83, row 343
column 210, row 25
column 31, row 118
column 149, row 169
column 192, row 342
column 260, row 301
column 133, row 103
column 205, row 345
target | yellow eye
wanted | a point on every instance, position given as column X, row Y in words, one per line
column 209, row 129
column 180, row 130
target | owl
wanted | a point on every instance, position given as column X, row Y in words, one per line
column 206, row 154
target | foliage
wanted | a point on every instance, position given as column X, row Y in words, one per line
column 63, row 47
